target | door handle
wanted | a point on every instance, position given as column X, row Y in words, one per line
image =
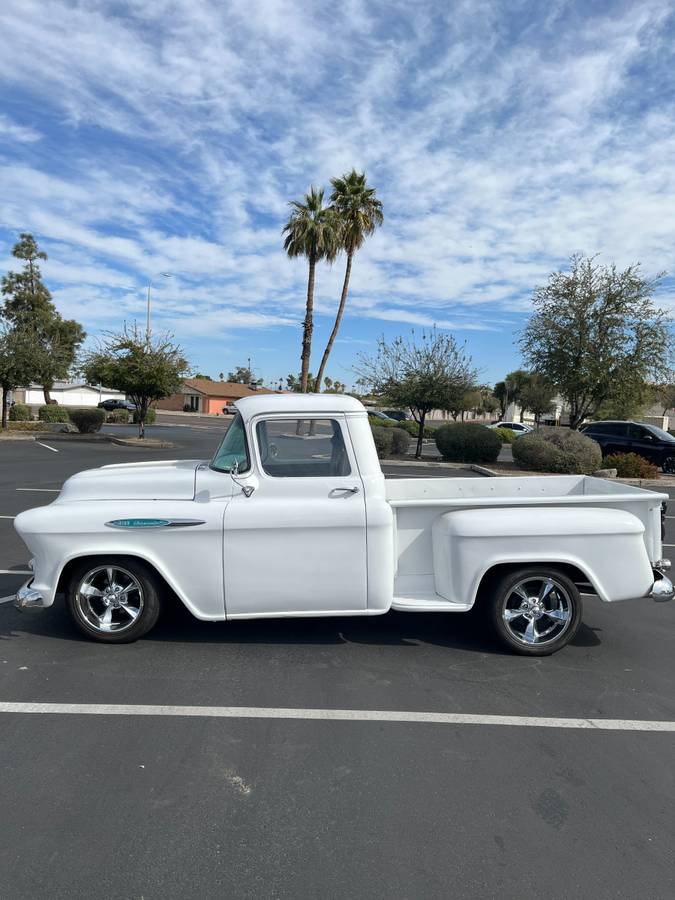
column 346, row 490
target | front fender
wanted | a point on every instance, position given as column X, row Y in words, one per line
column 606, row 545
column 190, row 559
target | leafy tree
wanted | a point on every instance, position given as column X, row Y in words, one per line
column 487, row 402
column 419, row 375
column 203, row 377
column 333, row 387
column 359, row 213
column 312, row 231
column 597, row 334
column 536, row 396
column 19, row 360
column 665, row 394
column 631, row 404
column 28, row 305
column 294, row 383
column 461, row 400
column 501, row 393
column 146, row 370
column 243, row 375
column 516, row 383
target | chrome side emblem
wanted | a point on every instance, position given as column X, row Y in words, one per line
column 154, row 523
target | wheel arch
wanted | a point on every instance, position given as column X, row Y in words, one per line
column 169, row 593
column 583, row 580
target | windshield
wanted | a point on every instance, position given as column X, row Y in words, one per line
column 233, row 449
column 661, row 434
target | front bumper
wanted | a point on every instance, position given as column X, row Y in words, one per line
column 28, row 598
column 662, row 589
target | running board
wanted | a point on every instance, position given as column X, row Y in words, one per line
column 427, row 602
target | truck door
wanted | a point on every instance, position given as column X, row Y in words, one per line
column 297, row 543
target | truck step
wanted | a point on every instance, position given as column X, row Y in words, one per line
column 427, row 602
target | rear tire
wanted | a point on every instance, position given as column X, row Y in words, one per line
column 668, row 465
column 534, row 610
column 113, row 600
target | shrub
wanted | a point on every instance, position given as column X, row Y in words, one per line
column 118, row 416
column 25, row 426
column 381, row 423
column 87, row 420
column 20, row 413
column 188, row 408
column 400, row 441
column 384, row 439
column 413, row 429
column 53, row 413
column 506, row 435
column 557, row 450
column 150, row 416
column 466, row 442
column 630, row 465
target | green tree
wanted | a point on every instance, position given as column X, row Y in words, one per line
column 537, row 396
column 333, row 387
column 203, row 377
column 516, row 383
column 630, row 404
column 359, row 213
column 146, row 370
column 462, row 399
column 501, row 393
column 312, row 231
column 294, row 383
column 665, row 394
column 243, row 375
column 19, row 361
column 418, row 375
column 28, row 305
column 597, row 334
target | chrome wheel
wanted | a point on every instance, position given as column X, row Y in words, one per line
column 109, row 599
column 537, row 610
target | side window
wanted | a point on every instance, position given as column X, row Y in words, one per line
column 617, row 430
column 636, row 432
column 302, row 448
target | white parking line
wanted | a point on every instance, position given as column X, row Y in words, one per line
column 331, row 715
column 15, row 572
column 668, row 545
column 46, row 490
column 47, row 447
column 7, row 517
column 6, row 599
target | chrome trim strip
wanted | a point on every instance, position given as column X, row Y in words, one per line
column 142, row 524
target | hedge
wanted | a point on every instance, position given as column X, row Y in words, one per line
column 400, row 441
column 506, row 435
column 557, row 450
column 150, row 416
column 384, row 440
column 630, row 465
column 20, row 413
column 87, row 420
column 118, row 416
column 51, row 412
column 467, row 442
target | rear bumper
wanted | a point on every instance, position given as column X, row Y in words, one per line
column 28, row 598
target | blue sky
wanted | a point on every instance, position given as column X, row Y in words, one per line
column 168, row 136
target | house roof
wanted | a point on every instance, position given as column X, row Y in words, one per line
column 71, row 386
column 223, row 388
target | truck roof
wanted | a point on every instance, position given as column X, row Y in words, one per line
column 298, row 403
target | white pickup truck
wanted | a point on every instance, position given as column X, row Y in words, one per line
column 293, row 517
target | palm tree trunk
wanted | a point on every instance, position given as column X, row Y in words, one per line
column 4, row 407
column 308, row 327
column 338, row 320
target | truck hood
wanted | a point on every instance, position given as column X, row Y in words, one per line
column 172, row 480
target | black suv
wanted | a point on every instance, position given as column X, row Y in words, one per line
column 653, row 443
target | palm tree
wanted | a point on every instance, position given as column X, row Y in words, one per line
column 360, row 213
column 311, row 231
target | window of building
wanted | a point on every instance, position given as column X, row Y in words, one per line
column 302, row 448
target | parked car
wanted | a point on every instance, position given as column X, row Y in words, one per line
column 517, row 427
column 378, row 414
column 399, row 414
column 229, row 410
column 295, row 518
column 653, row 443
column 110, row 405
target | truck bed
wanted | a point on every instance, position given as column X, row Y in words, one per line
column 418, row 502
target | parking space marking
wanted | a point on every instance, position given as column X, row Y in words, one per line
column 45, row 490
column 47, row 447
column 15, row 572
column 6, row 599
column 331, row 715
column 668, row 545
column 7, row 517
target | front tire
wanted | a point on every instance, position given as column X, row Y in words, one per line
column 113, row 600
column 534, row 611
column 668, row 465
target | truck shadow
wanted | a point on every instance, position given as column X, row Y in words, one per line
column 464, row 632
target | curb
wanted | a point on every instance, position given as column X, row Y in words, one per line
column 64, row 437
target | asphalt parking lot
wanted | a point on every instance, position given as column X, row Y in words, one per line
column 181, row 805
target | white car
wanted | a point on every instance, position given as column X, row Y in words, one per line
column 518, row 427
column 293, row 517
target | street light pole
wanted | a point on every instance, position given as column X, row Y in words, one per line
column 147, row 319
